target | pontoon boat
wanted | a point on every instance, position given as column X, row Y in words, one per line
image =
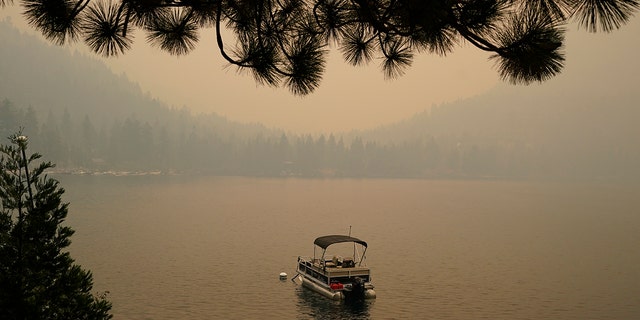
column 334, row 276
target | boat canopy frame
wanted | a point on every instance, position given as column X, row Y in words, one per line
column 325, row 241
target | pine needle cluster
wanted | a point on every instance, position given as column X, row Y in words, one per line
column 285, row 42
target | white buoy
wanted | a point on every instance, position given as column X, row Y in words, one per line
column 283, row 276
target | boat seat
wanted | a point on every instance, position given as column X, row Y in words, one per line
column 348, row 263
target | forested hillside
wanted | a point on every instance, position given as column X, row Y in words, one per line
column 515, row 132
column 80, row 114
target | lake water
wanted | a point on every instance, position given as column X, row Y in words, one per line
column 174, row 247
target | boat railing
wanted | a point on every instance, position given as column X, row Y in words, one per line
column 347, row 272
column 345, row 269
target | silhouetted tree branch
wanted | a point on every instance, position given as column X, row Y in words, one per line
column 285, row 41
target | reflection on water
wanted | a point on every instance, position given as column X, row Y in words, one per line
column 315, row 306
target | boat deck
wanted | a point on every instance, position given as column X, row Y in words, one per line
column 332, row 271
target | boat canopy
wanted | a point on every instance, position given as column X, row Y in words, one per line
column 325, row 241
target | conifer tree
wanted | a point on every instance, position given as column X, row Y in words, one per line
column 38, row 278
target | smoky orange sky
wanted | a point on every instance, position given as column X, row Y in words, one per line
column 348, row 97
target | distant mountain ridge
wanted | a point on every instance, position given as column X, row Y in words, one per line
column 46, row 76
column 50, row 78
column 600, row 80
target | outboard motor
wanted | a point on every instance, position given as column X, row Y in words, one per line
column 357, row 290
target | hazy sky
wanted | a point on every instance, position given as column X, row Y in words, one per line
column 348, row 97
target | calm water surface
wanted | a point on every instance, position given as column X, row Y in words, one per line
column 212, row 248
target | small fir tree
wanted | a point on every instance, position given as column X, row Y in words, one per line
column 38, row 279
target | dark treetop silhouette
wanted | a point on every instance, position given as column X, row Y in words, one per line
column 284, row 42
column 38, row 277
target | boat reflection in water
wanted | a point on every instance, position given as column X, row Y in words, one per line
column 334, row 276
column 311, row 305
